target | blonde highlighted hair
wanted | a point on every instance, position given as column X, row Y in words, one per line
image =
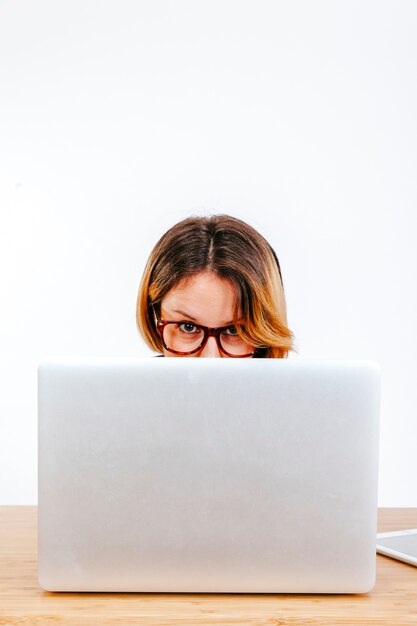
column 231, row 249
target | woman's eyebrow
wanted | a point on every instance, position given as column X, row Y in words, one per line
column 190, row 317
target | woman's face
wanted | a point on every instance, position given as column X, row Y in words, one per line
column 205, row 299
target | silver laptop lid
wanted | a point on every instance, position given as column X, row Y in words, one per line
column 208, row 475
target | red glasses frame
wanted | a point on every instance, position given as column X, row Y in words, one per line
column 208, row 332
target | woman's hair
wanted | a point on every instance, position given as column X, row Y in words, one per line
column 231, row 249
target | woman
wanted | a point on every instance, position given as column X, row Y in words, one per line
column 212, row 287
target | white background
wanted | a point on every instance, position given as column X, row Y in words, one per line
column 120, row 118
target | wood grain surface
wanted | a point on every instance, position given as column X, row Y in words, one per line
column 393, row 600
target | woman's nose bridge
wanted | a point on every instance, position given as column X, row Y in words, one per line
column 211, row 344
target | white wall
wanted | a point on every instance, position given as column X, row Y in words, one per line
column 120, row 118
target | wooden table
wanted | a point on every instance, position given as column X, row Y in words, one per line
column 393, row 600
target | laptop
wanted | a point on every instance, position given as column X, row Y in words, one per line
column 208, row 475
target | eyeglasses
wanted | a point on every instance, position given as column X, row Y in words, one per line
column 184, row 337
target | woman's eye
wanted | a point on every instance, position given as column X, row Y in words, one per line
column 188, row 327
column 231, row 330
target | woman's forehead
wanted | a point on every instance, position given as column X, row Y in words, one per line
column 204, row 297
